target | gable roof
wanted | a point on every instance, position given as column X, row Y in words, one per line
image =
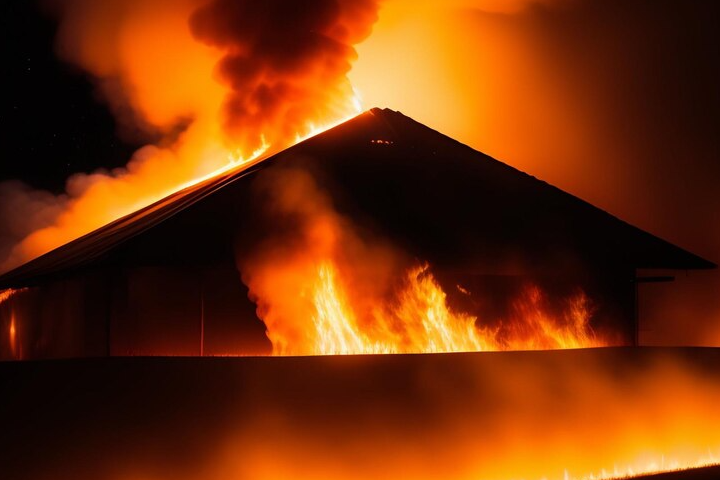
column 431, row 193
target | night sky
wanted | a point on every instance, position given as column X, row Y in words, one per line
column 52, row 124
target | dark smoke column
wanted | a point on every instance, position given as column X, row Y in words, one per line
column 286, row 63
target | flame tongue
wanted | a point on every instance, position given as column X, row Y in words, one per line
column 335, row 325
column 427, row 322
column 420, row 321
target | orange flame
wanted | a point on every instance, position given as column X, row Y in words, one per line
column 420, row 321
column 326, row 289
column 5, row 295
column 534, row 329
column 12, row 329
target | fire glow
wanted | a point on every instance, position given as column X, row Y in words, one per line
column 326, row 287
column 333, row 289
column 12, row 328
column 422, row 322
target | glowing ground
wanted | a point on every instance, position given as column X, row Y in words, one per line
column 531, row 415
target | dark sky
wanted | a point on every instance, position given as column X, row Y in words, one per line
column 51, row 122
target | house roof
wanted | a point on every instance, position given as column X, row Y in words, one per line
column 437, row 198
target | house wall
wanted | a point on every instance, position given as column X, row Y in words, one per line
column 175, row 310
column 54, row 320
column 156, row 310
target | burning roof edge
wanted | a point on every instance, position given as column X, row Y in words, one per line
column 93, row 245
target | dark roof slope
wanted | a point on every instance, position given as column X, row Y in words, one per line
column 438, row 198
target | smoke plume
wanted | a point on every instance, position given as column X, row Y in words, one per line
column 211, row 81
column 285, row 63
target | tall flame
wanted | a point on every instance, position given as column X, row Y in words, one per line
column 322, row 286
column 420, row 321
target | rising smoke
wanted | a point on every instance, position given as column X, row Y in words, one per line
column 285, row 63
column 212, row 80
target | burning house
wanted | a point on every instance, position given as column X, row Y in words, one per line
column 378, row 235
